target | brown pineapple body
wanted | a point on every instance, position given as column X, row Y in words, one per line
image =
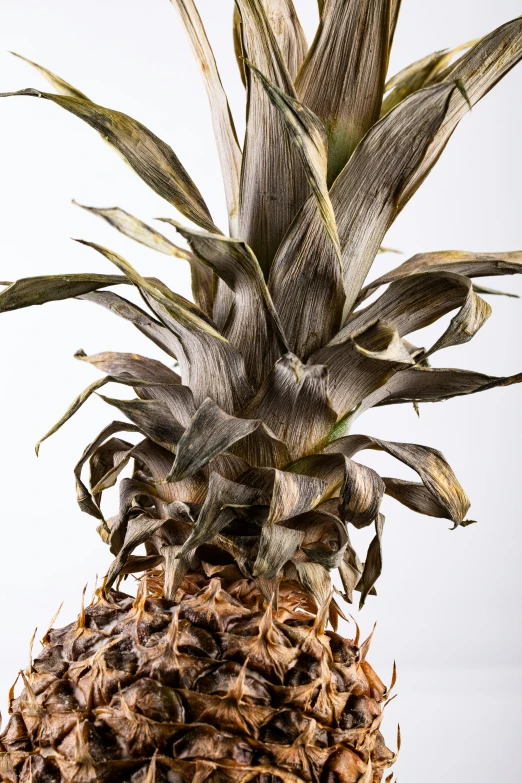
column 217, row 686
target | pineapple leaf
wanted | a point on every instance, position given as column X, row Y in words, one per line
column 268, row 157
column 430, row 384
column 361, row 364
column 253, row 325
column 479, row 70
column 290, row 494
column 379, row 171
column 342, row 79
column 361, row 495
column 417, row 75
column 307, row 285
column 153, row 160
column 238, row 44
column 415, row 496
column 364, row 198
column 132, row 365
column 316, row 580
column 458, row 261
column 210, row 432
column 61, row 86
column 218, row 510
column 29, row 291
column 154, row 330
column 418, row 300
column 372, row 566
column 209, row 364
column 139, row 529
column 224, row 130
column 394, row 18
column 302, row 393
column 83, row 496
column 130, row 226
column 84, row 396
column 434, row 471
column 289, row 34
column 135, row 229
column 153, row 417
column 277, row 545
column 309, row 137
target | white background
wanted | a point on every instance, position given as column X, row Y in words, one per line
column 449, row 602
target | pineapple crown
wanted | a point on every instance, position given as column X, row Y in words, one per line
column 246, row 462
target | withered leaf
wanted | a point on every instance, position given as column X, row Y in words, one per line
column 434, row 471
column 361, row 363
column 209, row 364
column 288, row 32
column 252, row 324
column 418, row 300
column 270, row 195
column 361, row 495
column 218, row 509
column 373, row 563
column 61, row 86
column 153, row 160
column 211, row 432
column 29, row 291
column 342, row 79
column 302, row 393
column 277, row 545
column 224, row 130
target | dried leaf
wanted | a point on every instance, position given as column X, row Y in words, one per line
column 252, row 325
column 209, row 364
column 418, row 300
column 415, row 496
column 361, row 364
column 418, row 75
column 342, row 79
column 373, row 564
column 293, row 403
column 309, row 137
column 154, row 330
column 83, row 496
column 288, row 494
column 153, row 160
column 277, row 545
column 61, row 86
column 210, row 433
column 394, row 18
column 218, row 510
column 288, row 32
column 457, row 261
column 307, row 285
column 29, row 291
column 139, row 529
column 130, row 226
column 224, row 130
column 271, row 190
column 361, row 495
column 434, row 471
column 369, row 185
column 135, row 229
column 154, row 419
column 84, row 396
column 316, row 581
column 176, row 569
column 132, row 365
column 478, row 71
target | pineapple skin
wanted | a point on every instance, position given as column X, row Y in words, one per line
column 216, row 686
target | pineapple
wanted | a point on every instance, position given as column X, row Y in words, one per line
column 244, row 484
